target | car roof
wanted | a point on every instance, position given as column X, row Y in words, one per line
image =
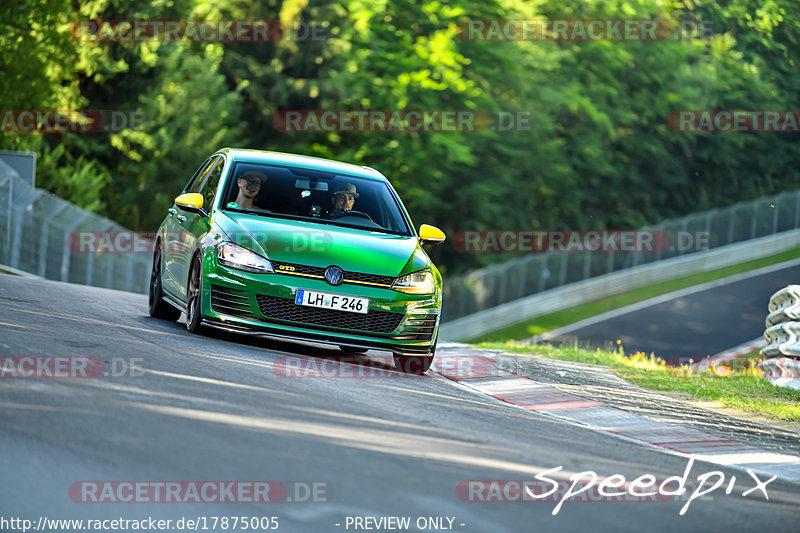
column 245, row 155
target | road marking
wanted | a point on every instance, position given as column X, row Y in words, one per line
column 92, row 320
column 545, row 399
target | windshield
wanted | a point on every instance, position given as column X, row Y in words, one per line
column 323, row 197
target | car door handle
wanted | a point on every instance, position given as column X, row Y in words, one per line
column 172, row 211
column 181, row 218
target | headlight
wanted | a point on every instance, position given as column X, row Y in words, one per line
column 417, row 283
column 235, row 256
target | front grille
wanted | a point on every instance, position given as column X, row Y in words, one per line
column 284, row 309
column 294, row 269
column 231, row 301
column 368, row 278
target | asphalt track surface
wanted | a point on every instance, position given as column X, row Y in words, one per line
column 217, row 407
column 695, row 325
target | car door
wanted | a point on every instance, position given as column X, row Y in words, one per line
column 172, row 238
column 192, row 226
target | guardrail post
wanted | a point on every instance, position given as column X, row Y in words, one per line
column 610, row 262
column 129, row 274
column 542, row 270
column 11, row 205
column 15, row 247
column 730, row 224
column 775, row 209
column 523, row 271
column 684, row 226
column 67, row 252
column 90, row 261
column 587, row 265
column 797, row 210
column 43, row 239
column 109, row 271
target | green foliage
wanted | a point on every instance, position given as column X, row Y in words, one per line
column 598, row 153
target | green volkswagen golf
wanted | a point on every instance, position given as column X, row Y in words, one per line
column 297, row 247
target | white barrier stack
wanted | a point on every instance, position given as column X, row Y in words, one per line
column 781, row 365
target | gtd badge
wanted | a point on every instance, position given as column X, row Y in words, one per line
column 334, row 275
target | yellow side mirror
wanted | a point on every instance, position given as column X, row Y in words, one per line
column 431, row 234
column 191, row 201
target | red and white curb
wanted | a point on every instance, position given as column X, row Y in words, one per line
column 523, row 392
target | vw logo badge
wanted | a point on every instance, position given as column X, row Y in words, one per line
column 334, row 275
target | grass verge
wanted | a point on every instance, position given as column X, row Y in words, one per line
column 735, row 384
column 551, row 321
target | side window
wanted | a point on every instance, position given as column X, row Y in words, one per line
column 210, row 174
column 195, row 181
column 209, row 188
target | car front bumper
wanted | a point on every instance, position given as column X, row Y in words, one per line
column 263, row 304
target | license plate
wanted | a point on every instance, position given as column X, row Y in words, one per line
column 326, row 300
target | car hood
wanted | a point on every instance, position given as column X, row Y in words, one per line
column 321, row 245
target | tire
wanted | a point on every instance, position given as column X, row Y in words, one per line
column 416, row 364
column 352, row 349
column 413, row 364
column 194, row 300
column 158, row 307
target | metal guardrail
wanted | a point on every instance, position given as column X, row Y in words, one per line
column 782, row 366
column 582, row 292
column 536, row 273
column 35, row 228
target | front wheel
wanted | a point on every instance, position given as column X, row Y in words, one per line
column 416, row 364
column 157, row 306
column 413, row 364
column 194, row 315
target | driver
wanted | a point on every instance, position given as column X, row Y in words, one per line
column 343, row 200
column 249, row 186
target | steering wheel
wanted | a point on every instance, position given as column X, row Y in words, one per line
column 340, row 214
